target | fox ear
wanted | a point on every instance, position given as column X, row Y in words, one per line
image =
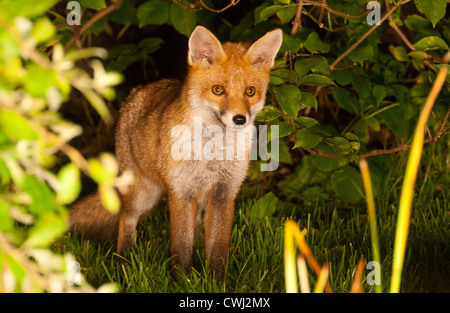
column 204, row 48
column 263, row 52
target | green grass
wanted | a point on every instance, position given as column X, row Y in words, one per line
column 337, row 233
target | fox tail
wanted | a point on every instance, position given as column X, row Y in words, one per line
column 90, row 218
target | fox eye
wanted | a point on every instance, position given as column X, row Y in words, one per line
column 250, row 91
column 217, row 90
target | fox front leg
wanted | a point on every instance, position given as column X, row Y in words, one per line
column 218, row 222
column 182, row 229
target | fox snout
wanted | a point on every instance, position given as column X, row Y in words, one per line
column 239, row 119
column 235, row 118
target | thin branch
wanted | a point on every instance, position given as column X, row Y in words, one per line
column 297, row 23
column 344, row 67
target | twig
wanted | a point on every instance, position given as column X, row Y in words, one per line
column 191, row 7
column 344, row 67
column 297, row 23
column 322, row 13
column 99, row 15
column 232, row 3
column 443, row 129
column 324, row 5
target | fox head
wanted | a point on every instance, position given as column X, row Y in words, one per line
column 230, row 80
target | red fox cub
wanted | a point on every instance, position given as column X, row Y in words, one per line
column 225, row 89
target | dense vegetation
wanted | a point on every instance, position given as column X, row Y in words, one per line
column 343, row 88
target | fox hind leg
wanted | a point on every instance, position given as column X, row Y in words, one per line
column 138, row 202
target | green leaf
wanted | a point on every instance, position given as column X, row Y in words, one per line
column 93, row 4
column 316, row 80
column 325, row 164
column 362, row 54
column 347, row 184
column 258, row 10
column 42, row 200
column 395, row 119
column 23, row 8
column 290, row 44
column 304, row 121
column 399, row 53
column 183, row 20
column 304, row 65
column 43, row 30
column 264, row 206
column 70, row 184
column 431, row 43
column 99, row 173
column 276, row 81
column 303, row 174
column 46, row 230
column 6, row 221
column 315, row 45
column 284, row 75
column 379, row 92
column 38, row 80
column 307, row 138
column 344, row 99
column 288, row 97
column 286, row 14
column 340, row 145
column 417, row 54
column 15, row 126
column 269, row 11
column 434, row 10
column 284, row 153
column 268, row 114
column 155, row 12
column 150, row 45
column 417, row 23
column 309, row 100
column 109, row 197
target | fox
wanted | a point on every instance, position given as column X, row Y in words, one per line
column 225, row 87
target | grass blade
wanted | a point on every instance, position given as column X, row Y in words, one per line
column 289, row 258
column 372, row 215
column 322, row 280
column 404, row 212
column 303, row 275
column 357, row 285
column 293, row 232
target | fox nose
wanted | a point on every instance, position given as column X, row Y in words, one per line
column 239, row 119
